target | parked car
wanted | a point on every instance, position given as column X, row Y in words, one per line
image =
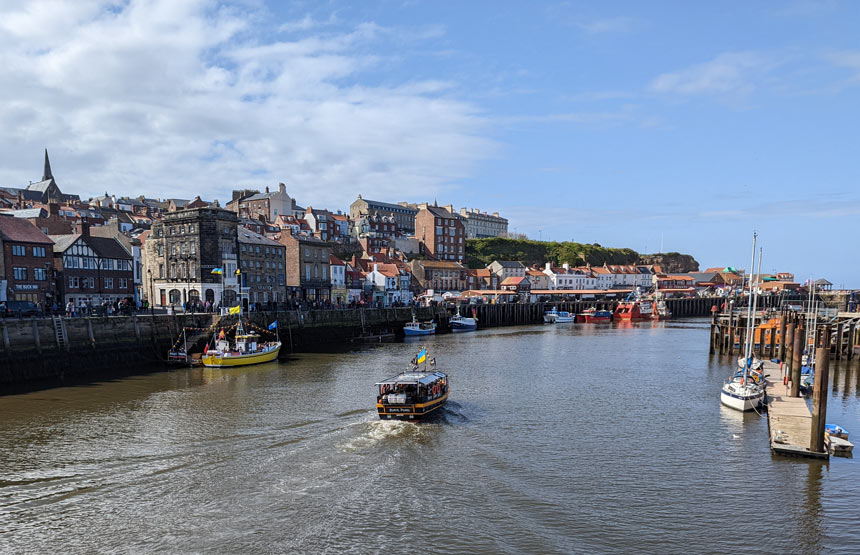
column 19, row 309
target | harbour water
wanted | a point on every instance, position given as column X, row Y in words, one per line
column 557, row 439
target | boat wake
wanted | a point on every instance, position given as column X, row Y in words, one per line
column 380, row 432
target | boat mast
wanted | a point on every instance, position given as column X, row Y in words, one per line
column 748, row 350
column 755, row 306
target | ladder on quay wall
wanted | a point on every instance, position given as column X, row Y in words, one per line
column 60, row 333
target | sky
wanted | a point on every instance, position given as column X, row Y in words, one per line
column 658, row 126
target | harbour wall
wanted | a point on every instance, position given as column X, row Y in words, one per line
column 66, row 349
column 59, row 350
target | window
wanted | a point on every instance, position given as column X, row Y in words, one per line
column 123, row 283
column 193, row 248
column 160, row 250
column 268, row 251
column 307, row 252
column 107, row 264
column 19, row 250
column 39, row 251
column 307, row 272
column 108, row 283
column 74, row 283
column 190, row 228
column 325, row 272
column 173, row 249
column 40, row 274
column 19, row 273
column 161, row 270
column 244, row 248
column 258, row 249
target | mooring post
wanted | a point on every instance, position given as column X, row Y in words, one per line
column 789, row 345
column 839, row 341
column 731, row 341
column 782, row 322
column 796, row 357
column 819, row 390
column 713, row 332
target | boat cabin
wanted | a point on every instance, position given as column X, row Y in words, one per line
column 412, row 387
column 247, row 343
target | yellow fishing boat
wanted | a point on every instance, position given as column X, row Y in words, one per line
column 245, row 349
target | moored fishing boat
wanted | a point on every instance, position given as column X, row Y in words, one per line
column 661, row 311
column 415, row 327
column 836, row 431
column 594, row 316
column 415, row 393
column 634, row 309
column 556, row 316
column 462, row 323
column 243, row 350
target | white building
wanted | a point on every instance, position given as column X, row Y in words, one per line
column 480, row 224
column 568, row 278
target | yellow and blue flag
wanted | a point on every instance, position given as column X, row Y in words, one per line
column 218, row 271
column 235, row 310
column 422, row 356
column 273, row 325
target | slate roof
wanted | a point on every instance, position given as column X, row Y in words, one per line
column 247, row 236
column 104, row 247
column 30, row 213
column 21, row 231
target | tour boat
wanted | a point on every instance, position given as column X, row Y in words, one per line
column 556, row 316
column 632, row 310
column 594, row 316
column 744, row 390
column 245, row 349
column 419, row 328
column 461, row 323
column 414, row 394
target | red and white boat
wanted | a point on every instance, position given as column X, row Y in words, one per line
column 634, row 310
column 594, row 316
column 661, row 311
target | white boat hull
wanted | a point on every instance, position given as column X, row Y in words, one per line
column 741, row 398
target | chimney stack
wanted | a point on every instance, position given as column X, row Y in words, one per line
column 82, row 227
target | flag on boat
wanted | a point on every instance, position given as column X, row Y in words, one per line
column 273, row 325
column 221, row 335
column 422, row 356
column 235, row 309
column 219, row 271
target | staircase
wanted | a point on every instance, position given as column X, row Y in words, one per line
column 60, row 333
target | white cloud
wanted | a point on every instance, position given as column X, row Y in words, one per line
column 728, row 73
column 169, row 98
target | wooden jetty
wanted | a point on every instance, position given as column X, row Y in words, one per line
column 788, row 418
column 793, row 429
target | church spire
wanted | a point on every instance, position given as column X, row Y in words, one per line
column 47, row 175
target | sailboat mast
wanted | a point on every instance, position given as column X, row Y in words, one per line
column 747, row 350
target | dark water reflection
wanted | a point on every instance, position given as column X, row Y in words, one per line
column 557, row 439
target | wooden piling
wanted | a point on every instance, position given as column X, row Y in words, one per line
column 819, row 390
column 782, row 324
column 839, row 341
column 713, row 332
column 796, row 357
column 789, row 345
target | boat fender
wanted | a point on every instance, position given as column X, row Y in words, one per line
column 785, row 380
column 742, row 381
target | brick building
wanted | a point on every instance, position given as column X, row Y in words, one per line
column 261, row 261
column 439, row 275
column 92, row 270
column 441, row 232
column 181, row 252
column 26, row 264
column 308, row 267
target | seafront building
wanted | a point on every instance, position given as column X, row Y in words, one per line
column 262, row 268
column 27, row 263
column 441, row 233
column 190, row 256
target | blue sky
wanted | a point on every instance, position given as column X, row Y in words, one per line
column 622, row 123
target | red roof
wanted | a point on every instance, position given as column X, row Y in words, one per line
column 512, row 281
column 332, row 259
column 21, row 231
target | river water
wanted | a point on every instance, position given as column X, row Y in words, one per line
column 557, row 439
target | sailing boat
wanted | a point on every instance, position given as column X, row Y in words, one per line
column 807, row 362
column 744, row 390
column 246, row 347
